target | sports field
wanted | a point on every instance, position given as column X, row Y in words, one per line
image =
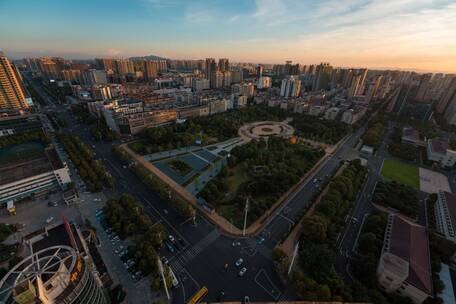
column 400, row 172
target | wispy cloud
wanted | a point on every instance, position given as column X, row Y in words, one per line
column 199, row 16
column 161, row 3
column 234, row 18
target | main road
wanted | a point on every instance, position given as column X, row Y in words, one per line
column 207, row 256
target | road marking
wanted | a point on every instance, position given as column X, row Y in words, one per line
column 164, row 219
column 189, row 254
column 272, row 292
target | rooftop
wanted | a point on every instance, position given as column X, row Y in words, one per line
column 410, row 133
column 439, row 145
column 409, row 241
column 25, row 161
column 451, row 204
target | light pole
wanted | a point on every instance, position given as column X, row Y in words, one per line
column 295, row 252
column 245, row 216
column 160, row 267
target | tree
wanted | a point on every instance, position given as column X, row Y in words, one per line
column 315, row 228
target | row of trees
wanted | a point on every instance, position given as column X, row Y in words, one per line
column 318, row 280
column 208, row 129
column 57, row 122
column 397, row 196
column 370, row 242
column 89, row 168
column 127, row 217
column 374, row 134
column 327, row 131
column 17, row 139
column 284, row 164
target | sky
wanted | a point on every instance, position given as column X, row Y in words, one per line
column 406, row 34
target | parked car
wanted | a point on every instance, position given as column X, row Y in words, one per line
column 243, row 271
column 49, row 219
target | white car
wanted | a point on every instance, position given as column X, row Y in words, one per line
column 171, row 238
column 243, row 271
column 49, row 219
column 239, row 262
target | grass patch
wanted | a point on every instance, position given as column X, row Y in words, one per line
column 401, row 172
column 180, row 167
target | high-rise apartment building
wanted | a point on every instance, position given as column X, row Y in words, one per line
column 210, row 67
column 12, row 96
column 91, row 77
column 151, row 70
column 322, row 77
column 446, row 97
column 291, row 87
column 259, row 71
column 223, row 64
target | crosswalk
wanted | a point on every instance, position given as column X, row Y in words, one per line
column 179, row 261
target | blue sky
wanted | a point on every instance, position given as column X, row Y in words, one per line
column 417, row 34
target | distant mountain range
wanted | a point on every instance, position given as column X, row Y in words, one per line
column 149, row 57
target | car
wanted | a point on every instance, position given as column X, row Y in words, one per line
column 236, row 243
column 239, row 262
column 49, row 219
column 53, row 204
column 246, row 300
column 260, row 241
column 165, row 260
column 171, row 238
column 243, row 271
column 170, row 247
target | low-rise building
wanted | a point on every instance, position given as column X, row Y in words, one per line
column 18, row 124
column 353, row 115
column 332, row 113
column 404, row 267
column 445, row 215
column 32, row 176
column 316, row 110
column 412, row 137
column 438, row 150
column 193, row 111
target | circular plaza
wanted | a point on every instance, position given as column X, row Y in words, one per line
column 265, row 129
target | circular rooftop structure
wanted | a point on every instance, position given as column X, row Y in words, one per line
column 56, row 274
column 265, row 129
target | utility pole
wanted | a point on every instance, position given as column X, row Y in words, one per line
column 295, row 253
column 245, row 216
column 160, row 267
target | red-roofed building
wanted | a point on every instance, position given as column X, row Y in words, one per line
column 404, row 266
column 445, row 215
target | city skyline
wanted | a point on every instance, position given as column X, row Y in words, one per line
column 404, row 34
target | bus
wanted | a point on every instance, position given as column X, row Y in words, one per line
column 197, row 297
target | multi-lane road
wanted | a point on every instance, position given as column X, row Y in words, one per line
column 208, row 257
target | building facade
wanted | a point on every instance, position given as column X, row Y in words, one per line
column 12, row 96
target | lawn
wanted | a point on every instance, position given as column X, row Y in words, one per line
column 401, row 172
column 237, row 176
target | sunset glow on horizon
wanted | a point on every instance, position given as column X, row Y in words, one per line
column 406, row 34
